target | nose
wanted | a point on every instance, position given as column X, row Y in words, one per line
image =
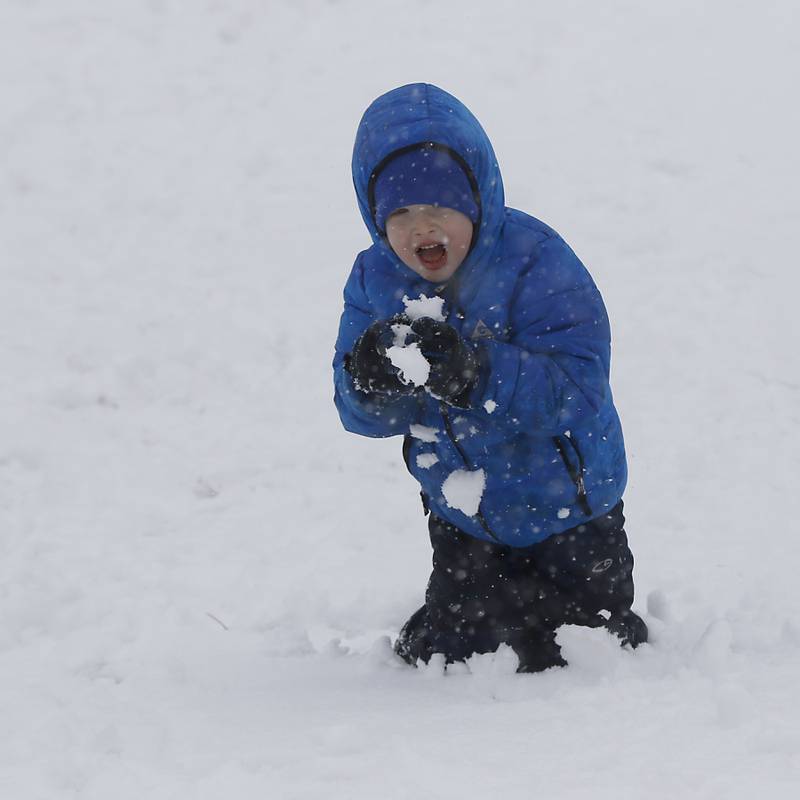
column 423, row 223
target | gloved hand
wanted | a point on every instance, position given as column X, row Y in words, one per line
column 454, row 365
column 368, row 364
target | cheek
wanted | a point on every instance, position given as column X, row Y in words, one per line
column 396, row 240
column 462, row 238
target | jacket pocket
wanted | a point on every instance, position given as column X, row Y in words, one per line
column 574, row 469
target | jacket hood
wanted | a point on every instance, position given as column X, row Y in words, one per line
column 419, row 113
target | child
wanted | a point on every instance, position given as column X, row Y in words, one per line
column 508, row 419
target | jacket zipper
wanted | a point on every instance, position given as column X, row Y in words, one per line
column 449, row 292
column 576, row 475
column 449, row 429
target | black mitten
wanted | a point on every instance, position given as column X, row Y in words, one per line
column 454, row 365
column 371, row 369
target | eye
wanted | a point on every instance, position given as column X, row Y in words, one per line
column 397, row 212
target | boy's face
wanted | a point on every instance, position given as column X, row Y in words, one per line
column 432, row 241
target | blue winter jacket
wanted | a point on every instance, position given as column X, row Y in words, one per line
column 541, row 424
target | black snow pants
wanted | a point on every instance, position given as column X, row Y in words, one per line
column 481, row 594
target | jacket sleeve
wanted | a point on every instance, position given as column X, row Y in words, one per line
column 366, row 414
column 553, row 372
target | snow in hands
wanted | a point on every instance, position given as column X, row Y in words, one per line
column 424, row 306
column 413, row 367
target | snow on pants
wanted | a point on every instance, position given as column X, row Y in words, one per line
column 482, row 594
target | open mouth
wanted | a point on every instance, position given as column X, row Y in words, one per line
column 433, row 255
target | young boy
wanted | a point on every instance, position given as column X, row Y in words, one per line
column 508, row 419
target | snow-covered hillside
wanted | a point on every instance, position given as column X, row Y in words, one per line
column 199, row 568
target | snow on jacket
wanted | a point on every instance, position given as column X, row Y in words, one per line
column 541, row 445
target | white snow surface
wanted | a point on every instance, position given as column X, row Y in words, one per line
column 200, row 569
column 463, row 489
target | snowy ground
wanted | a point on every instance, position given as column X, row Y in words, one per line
column 198, row 567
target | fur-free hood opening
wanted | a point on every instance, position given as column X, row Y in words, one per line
column 420, row 113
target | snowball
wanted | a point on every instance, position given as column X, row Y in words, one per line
column 424, row 307
column 426, row 460
column 423, row 433
column 414, row 367
column 490, row 406
column 563, row 513
column 463, row 490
